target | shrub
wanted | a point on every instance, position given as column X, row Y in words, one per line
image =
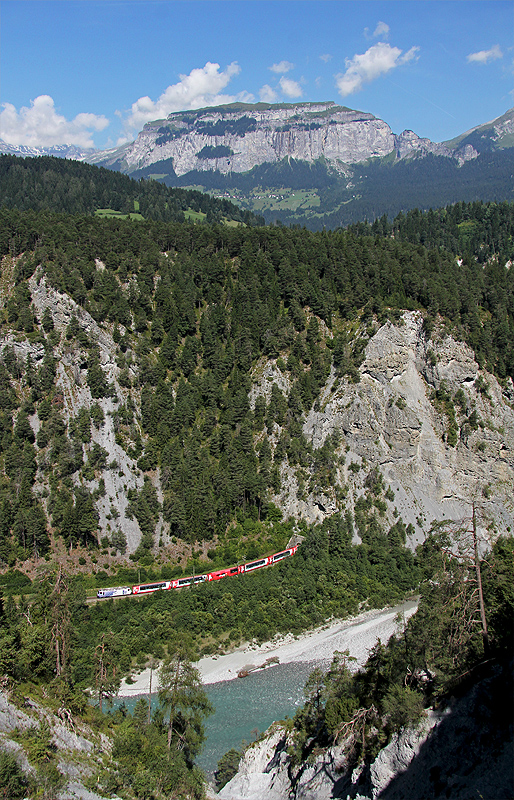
column 403, row 706
column 13, row 783
column 227, row 767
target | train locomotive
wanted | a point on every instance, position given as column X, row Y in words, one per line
column 181, row 583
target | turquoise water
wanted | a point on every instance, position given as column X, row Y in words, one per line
column 245, row 707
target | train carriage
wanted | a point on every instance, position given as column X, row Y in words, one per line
column 193, row 579
column 262, row 562
column 284, row 554
column 223, row 573
column 146, row 588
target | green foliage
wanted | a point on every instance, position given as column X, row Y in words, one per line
column 403, row 707
column 13, row 783
column 425, row 663
column 227, row 767
column 183, row 699
column 77, row 188
column 218, row 151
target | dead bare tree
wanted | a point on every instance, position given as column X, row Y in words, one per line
column 61, row 622
column 462, row 545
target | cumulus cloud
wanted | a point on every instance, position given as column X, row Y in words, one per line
column 484, row 56
column 326, row 57
column 200, row 88
column 282, row 67
column 41, row 126
column 363, row 68
column 290, row 88
column 267, row 94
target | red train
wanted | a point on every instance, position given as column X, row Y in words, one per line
column 180, row 583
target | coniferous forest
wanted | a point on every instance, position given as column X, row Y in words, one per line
column 192, row 308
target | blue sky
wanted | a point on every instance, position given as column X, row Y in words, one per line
column 92, row 72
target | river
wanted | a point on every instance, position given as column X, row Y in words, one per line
column 247, row 706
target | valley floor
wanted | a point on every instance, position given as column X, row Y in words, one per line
column 356, row 634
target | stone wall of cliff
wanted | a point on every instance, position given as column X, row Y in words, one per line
column 304, row 132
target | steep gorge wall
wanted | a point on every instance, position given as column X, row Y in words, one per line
column 461, row 751
column 389, row 420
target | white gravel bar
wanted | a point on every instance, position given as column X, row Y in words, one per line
column 357, row 634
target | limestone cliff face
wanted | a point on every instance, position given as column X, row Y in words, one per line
column 79, row 748
column 409, row 143
column 391, row 419
column 255, row 135
column 236, row 138
column 122, row 473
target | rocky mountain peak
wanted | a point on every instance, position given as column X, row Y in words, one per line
column 237, row 137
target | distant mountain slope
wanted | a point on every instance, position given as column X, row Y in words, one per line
column 495, row 135
column 67, row 186
column 58, row 150
column 319, row 165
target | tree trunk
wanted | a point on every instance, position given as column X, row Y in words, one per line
column 485, row 635
column 150, row 694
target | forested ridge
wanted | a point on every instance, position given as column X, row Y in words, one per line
column 191, row 310
column 380, row 187
column 47, row 183
column 366, row 191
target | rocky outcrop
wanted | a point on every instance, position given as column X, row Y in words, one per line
column 122, row 473
column 391, row 419
column 79, row 750
column 462, row 751
column 409, row 143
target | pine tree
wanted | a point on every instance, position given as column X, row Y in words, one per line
column 183, row 698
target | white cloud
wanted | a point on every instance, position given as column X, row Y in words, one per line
column 200, row 88
column 282, row 67
column 267, row 94
column 41, row 126
column 382, row 30
column 290, row 88
column 484, row 56
column 363, row 68
column 326, row 57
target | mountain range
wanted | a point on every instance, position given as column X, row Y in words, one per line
column 315, row 164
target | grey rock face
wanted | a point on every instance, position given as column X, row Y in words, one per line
column 78, row 754
column 391, row 420
column 409, row 143
column 72, row 381
column 262, row 771
column 250, row 135
column 255, row 135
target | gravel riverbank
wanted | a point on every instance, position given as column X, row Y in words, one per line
column 356, row 634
